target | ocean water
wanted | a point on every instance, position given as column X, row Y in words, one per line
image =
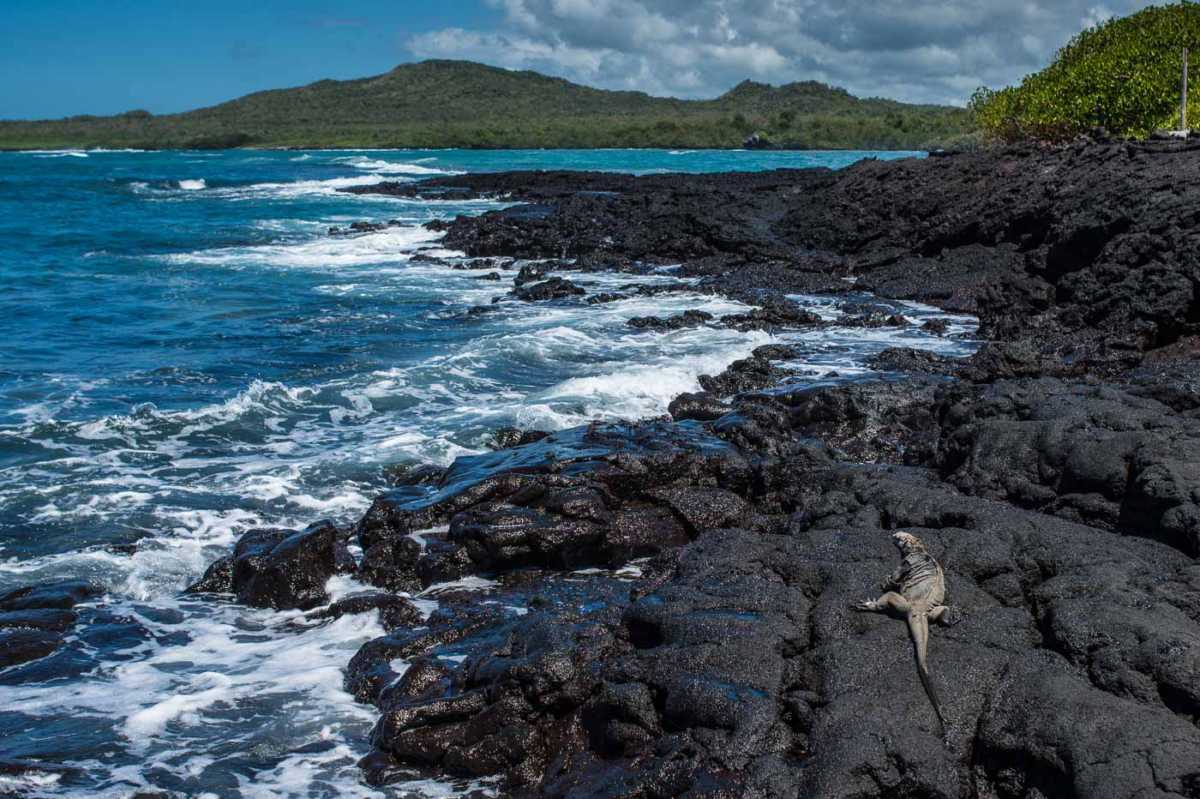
column 185, row 353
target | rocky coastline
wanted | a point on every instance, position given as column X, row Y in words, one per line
column 670, row 609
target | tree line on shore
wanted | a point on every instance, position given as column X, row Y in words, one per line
column 463, row 104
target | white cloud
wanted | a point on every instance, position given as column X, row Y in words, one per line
column 920, row 51
column 1095, row 15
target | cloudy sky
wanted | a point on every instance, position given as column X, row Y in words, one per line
column 106, row 56
column 919, row 50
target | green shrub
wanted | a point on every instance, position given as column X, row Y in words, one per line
column 1122, row 75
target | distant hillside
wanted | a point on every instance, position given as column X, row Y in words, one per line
column 463, row 104
column 1123, row 75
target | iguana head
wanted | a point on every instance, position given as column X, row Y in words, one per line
column 906, row 542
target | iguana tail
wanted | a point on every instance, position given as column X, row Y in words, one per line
column 918, row 627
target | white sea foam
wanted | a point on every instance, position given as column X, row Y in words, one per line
column 267, row 191
column 212, row 681
column 382, row 167
column 299, row 188
column 392, row 245
column 641, row 390
column 32, row 784
column 74, row 153
column 468, row 583
column 295, row 435
column 841, row 352
column 192, row 699
column 56, row 153
column 188, row 542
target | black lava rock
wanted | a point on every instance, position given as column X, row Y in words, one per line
column 63, row 595
column 554, row 288
column 280, row 569
column 700, row 407
column 692, row 318
column 20, row 645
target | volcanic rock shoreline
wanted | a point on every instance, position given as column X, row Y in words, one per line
column 671, row 610
column 1055, row 474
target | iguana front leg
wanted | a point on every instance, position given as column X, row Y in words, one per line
column 892, row 581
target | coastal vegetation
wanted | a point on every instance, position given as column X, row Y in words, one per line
column 464, row 104
column 1122, row 75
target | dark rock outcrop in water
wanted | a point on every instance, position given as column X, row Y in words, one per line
column 750, row 374
column 691, row 318
column 35, row 619
column 1055, row 475
column 280, row 569
column 701, row 407
column 552, row 289
column 571, row 500
column 510, row 437
column 772, row 312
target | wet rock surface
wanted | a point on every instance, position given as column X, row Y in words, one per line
column 21, row 644
column 1054, row 475
column 772, row 313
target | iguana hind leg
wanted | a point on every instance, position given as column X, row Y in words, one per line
column 943, row 615
column 891, row 602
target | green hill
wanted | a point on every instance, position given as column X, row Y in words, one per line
column 1123, row 76
column 463, row 104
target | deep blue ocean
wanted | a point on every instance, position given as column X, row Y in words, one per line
column 185, row 353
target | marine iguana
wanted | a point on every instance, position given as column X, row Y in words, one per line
column 922, row 590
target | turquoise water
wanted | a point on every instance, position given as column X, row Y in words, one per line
column 185, row 353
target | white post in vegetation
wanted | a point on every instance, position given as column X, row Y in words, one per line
column 1183, row 103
